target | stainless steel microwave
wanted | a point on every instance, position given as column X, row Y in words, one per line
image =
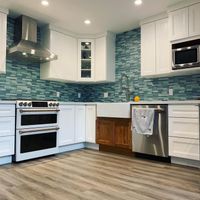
column 186, row 55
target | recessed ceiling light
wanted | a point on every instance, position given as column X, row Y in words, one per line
column 45, row 3
column 87, row 21
column 138, row 2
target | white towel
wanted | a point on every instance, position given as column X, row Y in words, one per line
column 143, row 120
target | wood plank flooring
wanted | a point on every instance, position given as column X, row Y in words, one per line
column 93, row 175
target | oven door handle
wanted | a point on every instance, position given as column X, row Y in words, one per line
column 38, row 110
column 38, row 130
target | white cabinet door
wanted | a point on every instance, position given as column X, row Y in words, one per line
column 91, row 123
column 7, row 110
column 79, row 124
column 179, row 25
column 7, row 146
column 100, row 59
column 3, row 36
column 148, row 49
column 184, row 148
column 65, row 67
column 105, row 58
column 194, row 16
column 184, row 127
column 86, row 60
column 184, row 111
column 7, row 126
column 66, row 121
column 162, row 47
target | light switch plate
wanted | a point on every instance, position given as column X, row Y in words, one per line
column 57, row 94
column 105, row 94
column 79, row 95
column 171, row 92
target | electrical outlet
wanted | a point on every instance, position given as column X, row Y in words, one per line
column 79, row 95
column 105, row 94
column 57, row 94
column 171, row 92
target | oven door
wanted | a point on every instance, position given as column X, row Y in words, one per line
column 34, row 143
column 35, row 118
column 186, row 57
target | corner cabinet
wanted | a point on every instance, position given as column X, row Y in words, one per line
column 65, row 67
column 90, row 60
column 3, row 33
column 184, row 22
column 155, row 48
column 85, row 60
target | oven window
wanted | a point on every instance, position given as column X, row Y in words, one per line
column 186, row 56
column 38, row 142
column 38, row 119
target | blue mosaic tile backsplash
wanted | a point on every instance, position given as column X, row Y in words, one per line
column 128, row 62
column 23, row 81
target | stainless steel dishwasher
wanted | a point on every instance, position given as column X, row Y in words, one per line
column 157, row 143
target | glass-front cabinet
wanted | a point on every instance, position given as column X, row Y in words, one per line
column 86, row 60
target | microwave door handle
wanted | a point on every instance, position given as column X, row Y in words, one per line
column 38, row 130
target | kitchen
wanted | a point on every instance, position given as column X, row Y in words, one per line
column 68, row 124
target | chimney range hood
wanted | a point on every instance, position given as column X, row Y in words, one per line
column 26, row 48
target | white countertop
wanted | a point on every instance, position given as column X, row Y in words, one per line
column 187, row 102
column 7, row 102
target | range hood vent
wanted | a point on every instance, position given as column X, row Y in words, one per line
column 26, row 48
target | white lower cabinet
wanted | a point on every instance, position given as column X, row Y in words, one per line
column 67, row 125
column 184, row 127
column 184, row 140
column 91, row 123
column 72, row 124
column 184, row 148
column 7, row 129
column 77, row 124
column 80, row 124
column 7, row 146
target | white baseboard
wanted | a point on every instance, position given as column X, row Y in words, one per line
column 91, row 146
column 5, row 160
column 71, row 147
column 186, row 162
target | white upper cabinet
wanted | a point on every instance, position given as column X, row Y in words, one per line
column 79, row 60
column 179, row 23
column 86, row 60
column 91, row 123
column 194, row 16
column 155, row 48
column 105, row 58
column 163, row 56
column 148, row 49
column 65, row 47
column 184, row 22
column 3, row 32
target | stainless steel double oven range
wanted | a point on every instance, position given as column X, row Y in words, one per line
column 36, row 129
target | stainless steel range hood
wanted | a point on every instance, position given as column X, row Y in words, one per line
column 26, row 48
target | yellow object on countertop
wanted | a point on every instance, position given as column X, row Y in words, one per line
column 136, row 98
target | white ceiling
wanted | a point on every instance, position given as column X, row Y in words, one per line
column 112, row 15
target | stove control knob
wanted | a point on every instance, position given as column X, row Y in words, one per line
column 57, row 104
column 20, row 103
column 29, row 104
column 50, row 104
column 25, row 103
column 54, row 104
